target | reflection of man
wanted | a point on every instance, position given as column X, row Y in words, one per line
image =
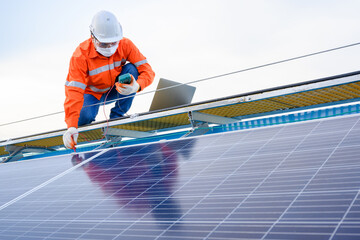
column 93, row 70
column 141, row 182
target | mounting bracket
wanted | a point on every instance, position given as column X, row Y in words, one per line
column 17, row 152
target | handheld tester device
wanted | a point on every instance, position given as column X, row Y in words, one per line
column 125, row 78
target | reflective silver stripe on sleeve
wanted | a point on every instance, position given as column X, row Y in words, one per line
column 105, row 68
column 75, row 84
column 98, row 89
column 117, row 64
column 83, row 86
column 140, row 62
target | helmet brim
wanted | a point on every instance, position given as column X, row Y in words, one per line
column 107, row 39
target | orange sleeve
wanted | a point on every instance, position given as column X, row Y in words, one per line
column 74, row 88
column 133, row 55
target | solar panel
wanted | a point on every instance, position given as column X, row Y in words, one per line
column 291, row 181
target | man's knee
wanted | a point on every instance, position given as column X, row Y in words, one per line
column 130, row 68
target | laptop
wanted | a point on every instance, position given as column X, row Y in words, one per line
column 175, row 94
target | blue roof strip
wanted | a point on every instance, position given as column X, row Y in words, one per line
column 292, row 117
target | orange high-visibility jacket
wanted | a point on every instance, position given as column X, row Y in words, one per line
column 94, row 74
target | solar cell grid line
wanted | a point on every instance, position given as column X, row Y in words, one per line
column 344, row 216
column 348, row 231
column 163, row 160
column 347, row 153
column 15, row 181
column 120, row 234
column 41, row 185
column 46, row 214
column 38, row 187
column 221, row 182
column 44, row 184
column 303, row 189
column 46, row 198
column 342, row 178
column 64, row 209
column 346, row 176
column 262, row 182
column 296, row 160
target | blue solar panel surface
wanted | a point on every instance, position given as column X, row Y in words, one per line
column 293, row 181
column 15, row 179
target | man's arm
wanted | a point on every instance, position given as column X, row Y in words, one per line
column 74, row 89
column 133, row 55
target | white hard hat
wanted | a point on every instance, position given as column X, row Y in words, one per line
column 106, row 28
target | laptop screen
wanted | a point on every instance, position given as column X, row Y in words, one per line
column 175, row 94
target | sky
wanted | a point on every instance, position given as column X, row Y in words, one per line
column 183, row 40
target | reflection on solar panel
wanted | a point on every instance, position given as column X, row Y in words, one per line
column 291, row 181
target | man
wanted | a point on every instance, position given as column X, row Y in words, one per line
column 94, row 68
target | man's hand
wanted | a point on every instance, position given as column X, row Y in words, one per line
column 127, row 89
column 70, row 137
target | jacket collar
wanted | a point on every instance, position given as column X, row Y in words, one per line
column 93, row 53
